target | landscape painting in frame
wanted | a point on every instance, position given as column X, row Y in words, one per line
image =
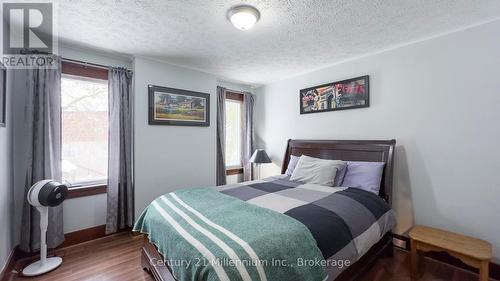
column 169, row 106
column 346, row 94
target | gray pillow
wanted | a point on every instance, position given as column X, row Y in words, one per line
column 316, row 171
column 291, row 165
column 339, row 177
column 364, row 175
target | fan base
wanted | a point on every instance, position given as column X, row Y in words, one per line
column 37, row 268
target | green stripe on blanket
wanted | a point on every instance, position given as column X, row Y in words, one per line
column 207, row 235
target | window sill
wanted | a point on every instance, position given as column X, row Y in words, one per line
column 89, row 190
column 234, row 171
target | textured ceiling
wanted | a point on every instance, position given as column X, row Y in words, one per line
column 291, row 37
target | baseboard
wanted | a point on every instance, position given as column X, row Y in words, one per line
column 83, row 235
column 9, row 265
column 403, row 242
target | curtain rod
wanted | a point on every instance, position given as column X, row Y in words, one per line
column 90, row 64
column 36, row 52
column 236, row 91
column 86, row 63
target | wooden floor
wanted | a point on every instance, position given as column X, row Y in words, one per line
column 118, row 258
column 398, row 269
column 115, row 257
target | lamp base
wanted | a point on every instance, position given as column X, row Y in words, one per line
column 37, row 268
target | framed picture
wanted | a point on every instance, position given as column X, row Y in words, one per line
column 346, row 94
column 169, row 106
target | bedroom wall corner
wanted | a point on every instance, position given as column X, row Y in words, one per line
column 437, row 98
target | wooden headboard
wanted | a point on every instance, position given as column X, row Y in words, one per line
column 348, row 150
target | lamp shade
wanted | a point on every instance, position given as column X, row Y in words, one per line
column 260, row 156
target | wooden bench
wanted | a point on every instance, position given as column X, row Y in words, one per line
column 471, row 251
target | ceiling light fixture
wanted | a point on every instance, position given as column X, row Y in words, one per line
column 243, row 17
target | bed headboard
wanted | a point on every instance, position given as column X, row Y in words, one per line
column 349, row 150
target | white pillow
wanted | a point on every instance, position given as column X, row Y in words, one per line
column 315, row 170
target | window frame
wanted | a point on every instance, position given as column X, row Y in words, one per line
column 88, row 188
column 234, row 96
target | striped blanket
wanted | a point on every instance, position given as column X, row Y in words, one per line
column 289, row 231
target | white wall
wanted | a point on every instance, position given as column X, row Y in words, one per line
column 440, row 99
column 84, row 212
column 171, row 157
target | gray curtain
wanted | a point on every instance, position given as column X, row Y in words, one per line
column 3, row 83
column 40, row 143
column 221, row 137
column 120, row 208
column 248, row 135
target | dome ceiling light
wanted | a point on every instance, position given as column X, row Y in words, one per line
column 243, row 17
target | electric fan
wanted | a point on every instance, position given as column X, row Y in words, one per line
column 42, row 195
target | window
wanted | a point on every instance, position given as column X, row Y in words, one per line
column 84, row 104
column 234, row 127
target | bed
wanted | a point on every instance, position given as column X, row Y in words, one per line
column 355, row 150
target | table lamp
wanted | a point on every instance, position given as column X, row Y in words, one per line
column 259, row 157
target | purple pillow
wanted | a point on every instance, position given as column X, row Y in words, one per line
column 364, row 175
column 291, row 164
